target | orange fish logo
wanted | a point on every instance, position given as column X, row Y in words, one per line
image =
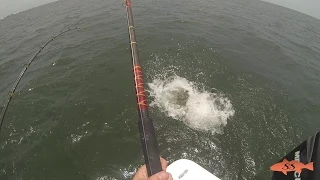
column 287, row 166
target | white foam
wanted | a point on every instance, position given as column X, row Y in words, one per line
column 197, row 108
column 76, row 138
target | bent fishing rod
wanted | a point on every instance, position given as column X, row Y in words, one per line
column 15, row 85
column 145, row 124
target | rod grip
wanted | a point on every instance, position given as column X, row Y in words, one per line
column 149, row 144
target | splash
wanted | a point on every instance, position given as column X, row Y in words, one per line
column 183, row 100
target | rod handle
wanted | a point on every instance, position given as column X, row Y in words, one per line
column 149, row 144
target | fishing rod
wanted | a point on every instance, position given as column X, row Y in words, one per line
column 15, row 85
column 145, row 124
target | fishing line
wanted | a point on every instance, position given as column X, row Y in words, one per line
column 14, row 87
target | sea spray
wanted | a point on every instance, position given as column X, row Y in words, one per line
column 182, row 100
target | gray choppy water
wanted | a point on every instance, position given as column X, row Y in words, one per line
column 74, row 116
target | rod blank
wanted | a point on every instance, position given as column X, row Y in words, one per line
column 146, row 128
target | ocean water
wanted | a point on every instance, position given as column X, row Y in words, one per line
column 232, row 85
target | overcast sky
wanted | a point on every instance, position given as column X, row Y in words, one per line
column 8, row 7
column 310, row 7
